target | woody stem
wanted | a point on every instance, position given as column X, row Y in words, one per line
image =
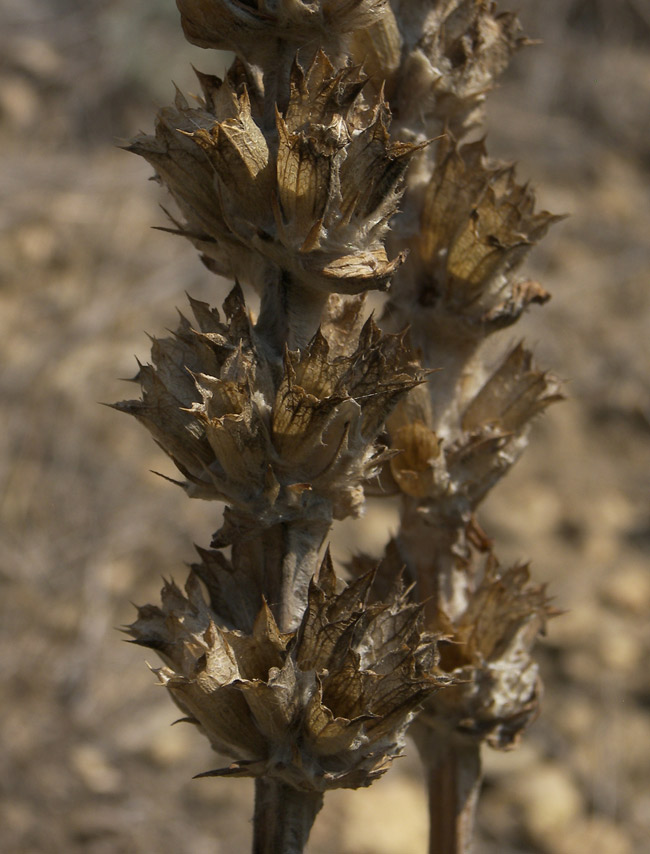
column 290, row 314
column 453, row 773
column 283, row 817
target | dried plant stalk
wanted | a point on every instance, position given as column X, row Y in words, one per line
column 469, row 226
column 286, row 175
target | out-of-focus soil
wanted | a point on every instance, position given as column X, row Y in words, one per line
column 89, row 762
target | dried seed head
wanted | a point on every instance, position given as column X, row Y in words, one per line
column 312, row 198
column 181, row 165
column 297, row 447
column 476, row 227
column 454, row 52
column 489, row 654
column 485, row 647
column 326, row 706
column 451, row 476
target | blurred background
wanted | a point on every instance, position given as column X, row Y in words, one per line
column 89, row 762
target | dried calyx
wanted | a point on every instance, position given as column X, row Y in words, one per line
column 325, row 706
column 453, row 52
column 305, row 202
column 476, row 225
column 485, row 645
column 277, row 443
column 453, row 456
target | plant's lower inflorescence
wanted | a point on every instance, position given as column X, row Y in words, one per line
column 323, row 707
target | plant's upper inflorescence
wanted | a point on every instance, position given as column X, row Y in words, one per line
column 309, row 197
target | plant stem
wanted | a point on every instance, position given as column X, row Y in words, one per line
column 290, row 314
column 453, row 773
column 278, row 563
column 433, row 546
column 303, row 541
column 283, row 817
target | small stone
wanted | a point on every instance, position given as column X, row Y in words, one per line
column 19, row 104
column 640, row 811
column 497, row 815
column 580, row 665
column 595, row 835
column 620, row 651
column 16, row 816
column 539, row 512
column 92, row 765
column 500, row 764
column 577, row 717
column 39, row 57
column 628, row 588
column 171, row 745
column 578, row 626
column 401, row 803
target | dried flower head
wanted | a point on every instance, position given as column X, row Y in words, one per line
column 451, row 458
column 454, row 50
column 326, row 706
column 477, row 224
column 485, row 645
column 311, row 197
column 276, row 448
column 489, row 654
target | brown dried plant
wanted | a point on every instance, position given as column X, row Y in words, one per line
column 342, row 140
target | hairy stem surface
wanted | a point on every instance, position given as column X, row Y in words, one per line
column 289, row 314
column 283, row 817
